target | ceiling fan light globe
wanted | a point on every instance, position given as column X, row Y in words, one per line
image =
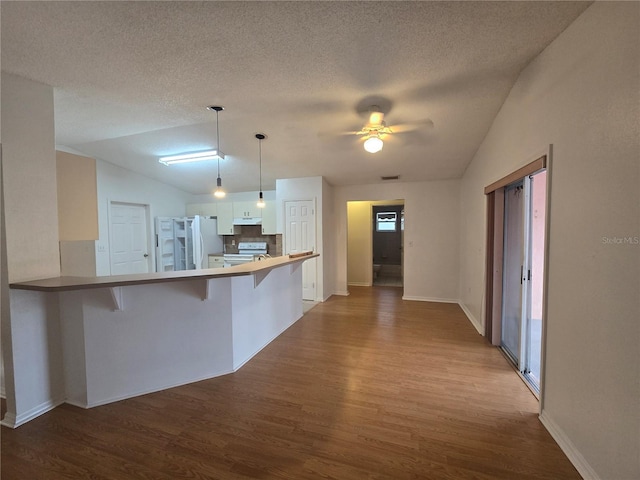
column 373, row 144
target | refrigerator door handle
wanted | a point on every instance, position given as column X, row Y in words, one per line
column 201, row 249
column 193, row 247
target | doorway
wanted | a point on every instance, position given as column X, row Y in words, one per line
column 515, row 268
column 387, row 239
column 129, row 244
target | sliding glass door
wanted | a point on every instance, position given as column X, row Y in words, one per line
column 523, row 274
column 512, row 269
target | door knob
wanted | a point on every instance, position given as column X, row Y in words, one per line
column 145, row 255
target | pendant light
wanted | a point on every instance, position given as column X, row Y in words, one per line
column 219, row 193
column 260, row 137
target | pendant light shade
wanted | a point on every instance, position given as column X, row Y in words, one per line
column 219, row 193
column 260, row 137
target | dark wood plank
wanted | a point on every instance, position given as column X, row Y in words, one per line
column 364, row 386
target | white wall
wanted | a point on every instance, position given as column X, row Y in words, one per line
column 581, row 95
column 30, row 324
column 309, row 188
column 431, row 235
column 328, row 241
column 122, row 185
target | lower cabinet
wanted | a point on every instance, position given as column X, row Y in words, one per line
column 216, row 261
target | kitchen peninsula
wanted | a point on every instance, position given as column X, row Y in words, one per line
column 127, row 335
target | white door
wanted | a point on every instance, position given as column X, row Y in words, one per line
column 129, row 244
column 300, row 236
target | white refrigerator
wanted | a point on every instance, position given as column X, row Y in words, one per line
column 183, row 243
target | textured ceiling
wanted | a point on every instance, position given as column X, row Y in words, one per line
column 132, row 80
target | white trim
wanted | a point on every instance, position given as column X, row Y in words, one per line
column 359, row 284
column 12, row 421
column 569, row 449
column 150, row 390
column 430, row 299
column 342, row 293
column 474, row 321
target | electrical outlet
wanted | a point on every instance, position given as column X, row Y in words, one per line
column 101, row 248
column 233, row 242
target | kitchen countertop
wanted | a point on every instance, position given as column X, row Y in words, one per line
column 66, row 283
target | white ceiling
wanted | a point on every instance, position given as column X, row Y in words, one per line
column 132, row 80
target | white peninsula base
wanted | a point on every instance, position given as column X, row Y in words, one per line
column 121, row 340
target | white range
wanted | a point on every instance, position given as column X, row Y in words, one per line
column 247, row 252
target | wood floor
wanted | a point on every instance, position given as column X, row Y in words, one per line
column 362, row 387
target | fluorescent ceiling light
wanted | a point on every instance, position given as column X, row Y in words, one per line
column 191, row 157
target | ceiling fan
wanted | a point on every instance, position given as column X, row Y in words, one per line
column 375, row 130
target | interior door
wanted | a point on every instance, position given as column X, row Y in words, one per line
column 300, row 236
column 129, row 242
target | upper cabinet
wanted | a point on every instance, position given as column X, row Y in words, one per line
column 225, row 219
column 246, row 209
column 226, row 211
column 269, row 218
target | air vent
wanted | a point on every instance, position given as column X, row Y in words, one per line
column 393, row 177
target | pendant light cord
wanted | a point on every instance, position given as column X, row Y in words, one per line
column 218, row 140
column 260, row 145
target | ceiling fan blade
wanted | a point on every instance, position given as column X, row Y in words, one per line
column 411, row 126
column 334, row 133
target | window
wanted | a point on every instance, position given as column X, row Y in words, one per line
column 386, row 221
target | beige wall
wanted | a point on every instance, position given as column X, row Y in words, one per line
column 77, row 197
column 359, row 243
column 581, row 95
column 29, row 186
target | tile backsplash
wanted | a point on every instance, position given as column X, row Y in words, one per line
column 253, row 233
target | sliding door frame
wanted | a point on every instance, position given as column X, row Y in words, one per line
column 495, row 252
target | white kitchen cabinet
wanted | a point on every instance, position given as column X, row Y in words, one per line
column 225, row 219
column 216, row 261
column 269, row 218
column 246, row 209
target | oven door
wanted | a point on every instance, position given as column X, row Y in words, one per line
column 233, row 259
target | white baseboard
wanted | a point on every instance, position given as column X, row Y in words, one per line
column 139, row 393
column 474, row 321
column 429, row 299
column 569, row 449
column 342, row 293
column 12, row 420
column 358, row 284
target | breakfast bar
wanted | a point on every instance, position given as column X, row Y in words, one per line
column 128, row 335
